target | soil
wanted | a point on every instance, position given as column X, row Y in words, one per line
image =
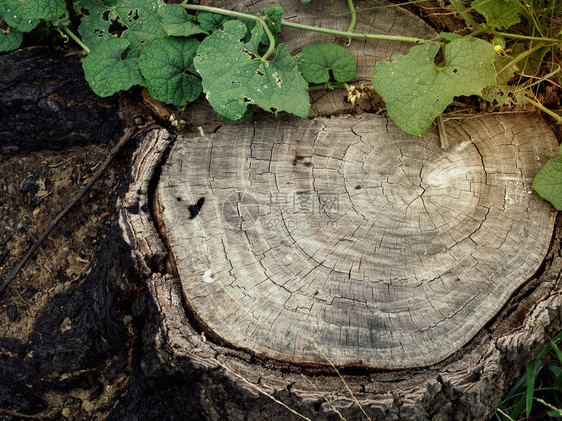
column 38, row 187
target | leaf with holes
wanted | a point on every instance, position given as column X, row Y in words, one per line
column 234, row 77
column 135, row 20
column 177, row 22
column 11, row 10
column 107, row 72
column 167, row 66
column 548, row 182
column 416, row 91
column 501, row 92
column 499, row 13
column 316, row 61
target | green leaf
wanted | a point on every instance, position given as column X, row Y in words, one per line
column 272, row 17
column 12, row 13
column 21, row 12
column 556, row 350
column 167, row 66
column 10, row 39
column 211, row 22
column 234, row 77
column 531, row 376
column 107, row 72
column 305, row 1
column 501, row 92
column 531, row 64
column 139, row 20
column 499, row 13
column 416, row 91
column 316, row 61
column 558, row 382
column 177, row 22
column 449, row 36
column 548, row 182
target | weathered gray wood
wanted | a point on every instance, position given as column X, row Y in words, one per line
column 348, row 237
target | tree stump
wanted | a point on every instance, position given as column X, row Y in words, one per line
column 277, row 250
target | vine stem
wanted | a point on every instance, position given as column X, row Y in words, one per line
column 521, row 57
column 517, row 36
column 344, row 34
column 544, row 109
column 240, row 15
column 76, row 39
column 353, row 15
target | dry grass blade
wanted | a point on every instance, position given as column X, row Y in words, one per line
column 344, row 382
column 324, row 397
column 260, row 390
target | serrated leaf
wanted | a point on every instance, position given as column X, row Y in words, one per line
column 499, row 13
column 416, row 91
column 317, row 60
column 234, row 77
column 107, row 72
column 10, row 39
column 12, row 14
column 548, row 182
column 139, row 19
column 166, row 65
column 177, row 22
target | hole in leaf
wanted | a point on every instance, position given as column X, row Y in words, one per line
column 98, row 32
column 105, row 15
column 252, row 55
column 246, row 99
column 455, row 70
column 260, row 73
column 273, row 109
column 439, row 59
column 116, row 28
column 85, row 12
column 133, row 15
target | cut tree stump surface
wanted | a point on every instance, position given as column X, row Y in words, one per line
column 348, row 237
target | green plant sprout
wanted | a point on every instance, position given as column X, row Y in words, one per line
column 179, row 51
column 523, row 395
